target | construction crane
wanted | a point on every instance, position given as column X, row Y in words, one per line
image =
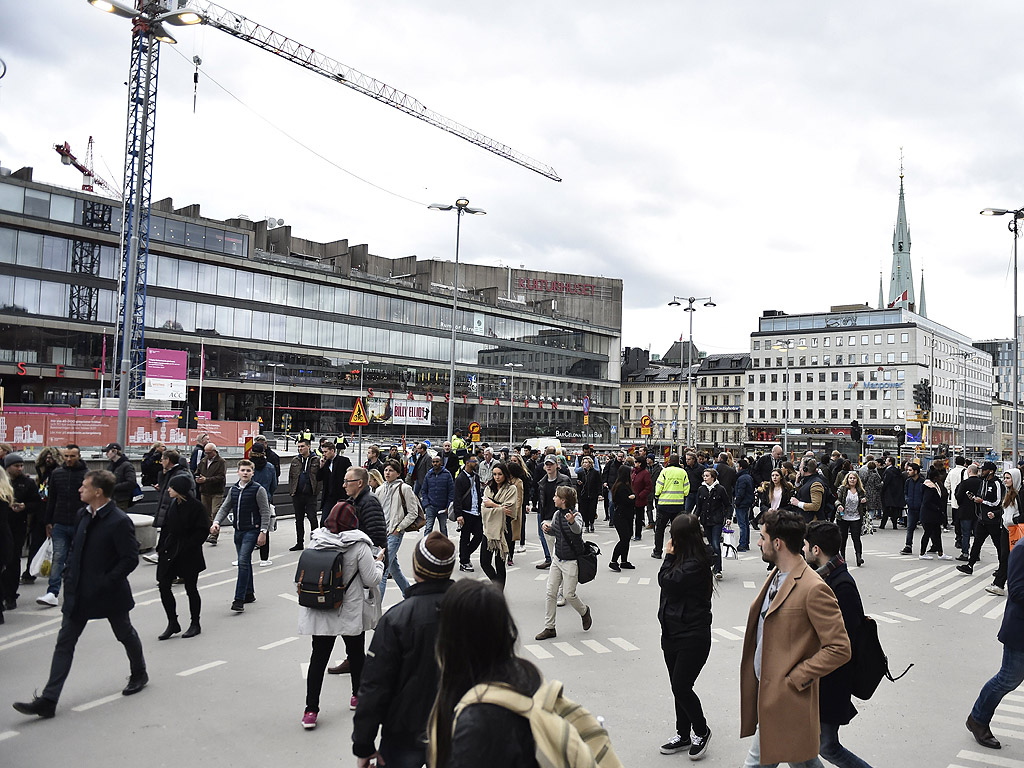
column 150, row 19
column 89, row 177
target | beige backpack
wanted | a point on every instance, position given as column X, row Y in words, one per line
column 566, row 734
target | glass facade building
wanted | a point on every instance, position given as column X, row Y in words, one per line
column 253, row 296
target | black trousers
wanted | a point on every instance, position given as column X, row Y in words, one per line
column 195, row 603
column 890, row 512
column 850, row 528
column 666, row 514
column 304, row 505
column 320, row 657
column 496, row 572
column 624, row 527
column 933, row 533
column 470, row 538
column 685, row 660
column 9, row 580
column 1001, row 539
column 638, row 520
column 64, row 651
column 588, row 509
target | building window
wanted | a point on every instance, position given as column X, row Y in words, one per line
column 821, row 413
column 890, row 357
column 860, row 394
column 775, row 377
column 750, row 413
column 662, row 396
column 757, row 345
column 890, row 338
column 835, row 376
column 796, row 395
column 905, row 338
column 835, row 414
column 874, row 413
column 904, row 357
column 821, row 377
column 834, row 394
column 839, row 341
column 900, row 394
column 775, row 414
column 814, row 342
column 865, row 359
column 821, row 394
column 853, row 340
column 760, row 413
column 878, row 338
column 650, row 393
column 774, row 396
column 865, row 340
column 826, row 360
column 627, row 396
column 878, row 357
column 847, row 395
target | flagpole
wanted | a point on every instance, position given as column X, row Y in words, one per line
column 202, row 370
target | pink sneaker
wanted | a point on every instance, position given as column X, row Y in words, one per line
column 352, row 703
column 309, row 720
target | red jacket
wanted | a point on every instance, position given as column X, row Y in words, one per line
column 640, row 479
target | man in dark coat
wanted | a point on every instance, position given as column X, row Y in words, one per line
column 332, row 479
column 762, row 471
column 821, row 550
column 103, row 552
column 62, row 504
column 913, row 493
column 892, row 493
column 124, row 472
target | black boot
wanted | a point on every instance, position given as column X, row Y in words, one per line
column 173, row 628
column 193, row 629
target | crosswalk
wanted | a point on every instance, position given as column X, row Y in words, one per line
column 1009, row 713
column 735, row 634
column 542, row 652
column 945, row 586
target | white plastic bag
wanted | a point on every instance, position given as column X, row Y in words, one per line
column 40, row 565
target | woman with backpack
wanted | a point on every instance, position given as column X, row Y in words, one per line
column 359, row 609
column 484, row 713
column 851, row 504
column 685, row 615
column 500, row 501
column 180, row 553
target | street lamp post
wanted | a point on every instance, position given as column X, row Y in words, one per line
column 273, row 396
column 787, row 345
column 677, row 301
column 151, row 25
column 963, row 397
column 359, row 441
column 1017, row 215
column 511, row 397
column 460, row 207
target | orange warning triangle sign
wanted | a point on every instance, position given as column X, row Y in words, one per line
column 358, row 417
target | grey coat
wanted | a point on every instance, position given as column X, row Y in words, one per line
column 361, row 608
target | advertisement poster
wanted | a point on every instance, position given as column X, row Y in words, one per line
column 22, row 429
column 166, row 374
column 378, row 410
column 410, row 413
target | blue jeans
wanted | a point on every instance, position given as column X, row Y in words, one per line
column 432, row 513
column 743, row 521
column 1009, row 676
column 835, row 752
column 913, row 515
column 966, row 528
column 713, row 533
column 754, row 757
column 61, row 535
column 540, row 535
column 245, row 543
column 394, row 569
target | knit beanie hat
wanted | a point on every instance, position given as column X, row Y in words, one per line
column 13, row 458
column 181, row 484
column 343, row 517
column 434, row 557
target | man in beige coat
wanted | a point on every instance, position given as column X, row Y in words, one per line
column 795, row 636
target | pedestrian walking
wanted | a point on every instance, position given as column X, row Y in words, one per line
column 264, row 473
column 303, row 487
column 989, row 501
column 956, row 475
column 358, row 612
column 835, row 705
column 180, row 553
column 588, row 491
column 713, row 504
column 851, row 504
column 124, row 472
column 25, row 508
column 103, row 552
column 436, row 495
column 672, row 490
column 743, row 502
column 913, row 496
column 401, row 508
column 622, row 502
column 872, row 482
column 933, row 514
column 466, row 508
column 563, row 575
column 643, row 487
column 684, row 612
column 892, row 493
column 551, row 478
column 62, row 505
column 515, row 531
column 211, row 477
column 794, row 637
column 248, row 501
column 499, row 504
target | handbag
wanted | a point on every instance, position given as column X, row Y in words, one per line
column 586, row 562
column 421, row 518
column 1016, row 532
column 40, row 565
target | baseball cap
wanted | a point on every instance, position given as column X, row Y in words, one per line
column 113, row 446
column 549, row 459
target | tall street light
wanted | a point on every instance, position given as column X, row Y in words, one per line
column 1017, row 215
column 273, row 396
column 149, row 22
column 460, row 207
column 359, row 442
column 511, row 397
column 676, row 302
column 787, row 345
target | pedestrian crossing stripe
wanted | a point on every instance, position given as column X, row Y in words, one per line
column 952, row 589
column 541, row 652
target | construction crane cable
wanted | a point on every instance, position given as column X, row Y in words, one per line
column 292, row 138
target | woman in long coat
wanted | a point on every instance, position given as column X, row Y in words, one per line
column 180, row 554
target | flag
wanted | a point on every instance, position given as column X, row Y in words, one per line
column 905, row 296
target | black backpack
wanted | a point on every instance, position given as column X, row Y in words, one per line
column 828, row 502
column 870, row 664
column 318, row 579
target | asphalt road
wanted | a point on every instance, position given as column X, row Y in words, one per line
column 234, row 695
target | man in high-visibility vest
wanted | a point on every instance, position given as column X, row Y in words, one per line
column 671, row 490
column 459, row 446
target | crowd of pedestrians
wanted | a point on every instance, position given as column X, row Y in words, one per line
column 445, row 643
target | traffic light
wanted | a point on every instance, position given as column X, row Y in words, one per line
column 856, row 432
column 900, row 437
column 927, row 395
column 923, row 395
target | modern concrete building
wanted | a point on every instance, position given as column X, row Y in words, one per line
column 256, row 297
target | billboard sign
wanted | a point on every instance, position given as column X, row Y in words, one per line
column 166, row 374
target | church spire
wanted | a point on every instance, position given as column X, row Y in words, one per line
column 922, row 309
column 901, row 280
column 881, row 301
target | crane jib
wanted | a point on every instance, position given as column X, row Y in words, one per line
column 250, row 31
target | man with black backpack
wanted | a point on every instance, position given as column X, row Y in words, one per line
column 813, row 496
column 822, row 543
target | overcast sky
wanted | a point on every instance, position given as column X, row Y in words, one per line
column 746, row 150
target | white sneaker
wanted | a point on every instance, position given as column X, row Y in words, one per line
column 560, row 601
column 926, row 557
column 992, row 589
column 151, row 557
column 945, row 557
column 48, row 599
column 234, row 562
column 265, row 563
column 520, row 548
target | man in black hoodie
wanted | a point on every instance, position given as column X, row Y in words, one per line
column 62, row 505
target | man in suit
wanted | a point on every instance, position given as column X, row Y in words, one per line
column 794, row 637
column 762, row 471
column 332, row 479
column 103, row 552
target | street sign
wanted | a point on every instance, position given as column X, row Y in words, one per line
column 358, row 417
column 474, row 432
column 586, row 420
column 586, row 406
column 646, row 422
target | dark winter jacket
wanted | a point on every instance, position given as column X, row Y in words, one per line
column 215, row 471
column 834, row 705
column 332, row 480
column 311, row 467
column 371, row 518
column 151, row 467
column 62, row 501
column 1011, row 631
column 400, row 676
column 568, row 538
column 474, row 743
column 264, row 475
column 463, row 493
column 438, row 489
column 933, row 505
column 103, row 552
column 165, row 500
column 913, row 492
column 727, row 477
column 124, row 481
column 588, row 486
column 180, row 547
column 713, row 504
column 546, row 493
column 743, row 491
column 451, row 462
column 685, row 606
column 892, row 487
